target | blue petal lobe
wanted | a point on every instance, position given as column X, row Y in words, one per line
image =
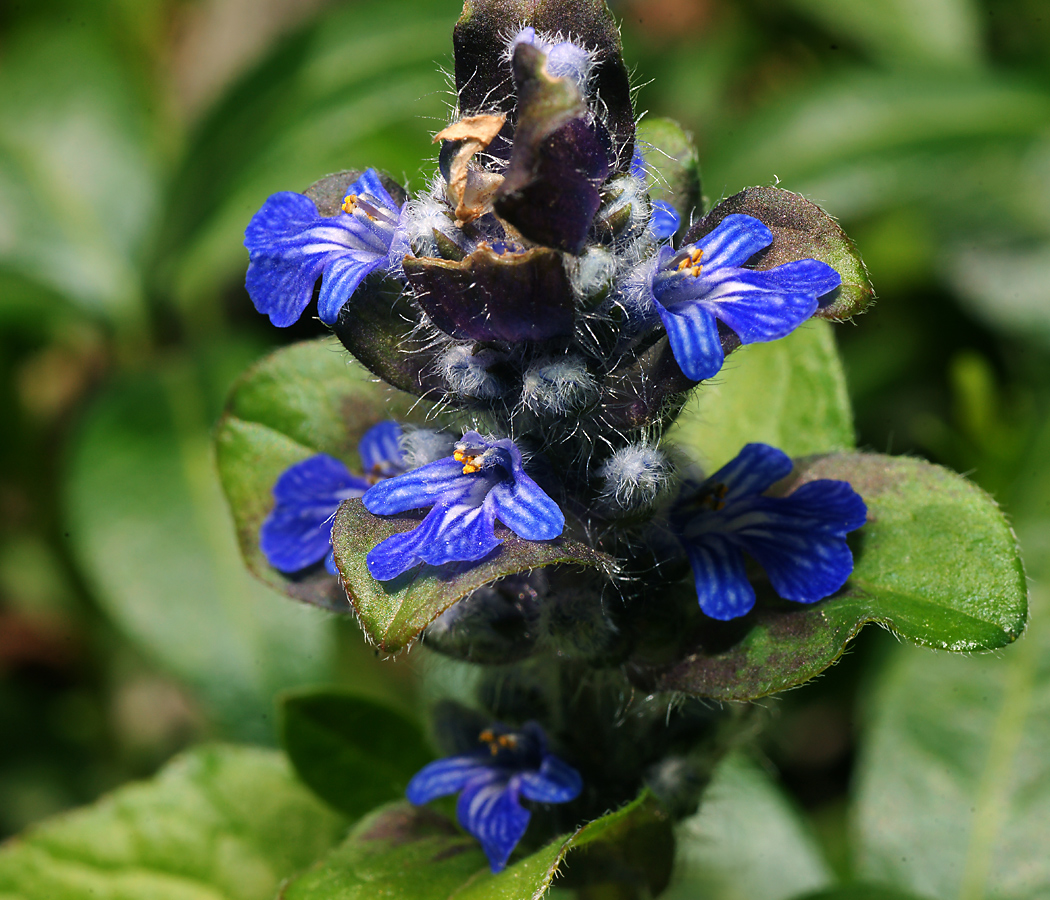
column 370, row 183
column 694, row 340
column 756, row 468
column 445, row 776
column 449, row 533
column 298, row 532
column 490, row 811
column 342, row 277
column 800, row 539
column 425, row 486
column 555, row 782
column 722, row 587
column 736, row 239
column 664, row 220
column 380, row 449
column 525, row 509
column 757, row 305
column 281, row 273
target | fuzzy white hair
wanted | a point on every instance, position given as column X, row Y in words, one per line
column 634, row 475
column 420, row 446
column 466, row 373
column 558, row 386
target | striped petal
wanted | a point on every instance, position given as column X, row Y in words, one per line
column 525, row 509
column 422, row 487
column 555, row 782
column 721, row 582
column 298, row 533
column 693, row 335
column 449, row 533
column 800, row 539
column 342, row 276
column 446, row 776
column 490, row 811
column 764, row 306
column 380, row 450
column 736, row 239
column 756, row 468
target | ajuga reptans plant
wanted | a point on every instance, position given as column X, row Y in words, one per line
column 528, row 328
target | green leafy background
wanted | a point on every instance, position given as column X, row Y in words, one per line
column 138, row 136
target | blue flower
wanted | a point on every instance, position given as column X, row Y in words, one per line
column 800, row 539
column 703, row 281
column 481, row 482
column 298, row 533
column 664, row 220
column 510, row 764
column 290, row 245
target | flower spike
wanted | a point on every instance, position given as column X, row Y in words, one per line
column 800, row 539
column 482, row 481
column 704, row 281
column 290, row 245
column 298, row 532
column 509, row 764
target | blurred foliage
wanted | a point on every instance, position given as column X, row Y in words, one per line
column 921, row 124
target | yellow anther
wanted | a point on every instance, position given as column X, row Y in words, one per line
column 469, row 460
column 350, row 203
column 487, row 736
column 691, row 263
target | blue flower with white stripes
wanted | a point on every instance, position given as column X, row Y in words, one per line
column 703, row 282
column 481, row 482
column 290, row 245
column 509, row 764
column 799, row 539
column 298, row 533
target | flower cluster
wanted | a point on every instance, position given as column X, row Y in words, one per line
column 552, row 296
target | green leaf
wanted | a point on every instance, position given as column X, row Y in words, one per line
column 859, row 891
column 801, row 230
column 856, row 116
column 937, row 564
column 931, row 32
column 747, row 842
column 301, row 400
column 393, row 613
column 78, row 180
column 952, row 795
column 219, row 823
column 789, row 393
column 353, row 752
column 417, row 854
column 151, row 532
